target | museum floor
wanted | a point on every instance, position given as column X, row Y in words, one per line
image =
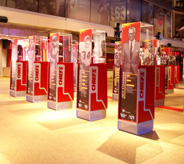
column 33, row 134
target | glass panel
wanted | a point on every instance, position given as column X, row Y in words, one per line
column 158, row 20
column 147, row 12
column 118, row 12
column 2, row 2
column 52, row 7
column 133, row 10
column 78, row 9
column 30, row 5
column 100, row 11
column 167, row 24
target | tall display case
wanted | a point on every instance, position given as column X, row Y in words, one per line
column 92, row 75
column 38, row 69
column 18, row 68
column 168, row 59
column 117, row 54
column 60, row 93
column 159, row 77
column 136, row 81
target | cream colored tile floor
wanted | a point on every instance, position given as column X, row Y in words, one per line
column 30, row 133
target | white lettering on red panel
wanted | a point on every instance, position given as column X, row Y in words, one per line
column 94, row 79
column 19, row 70
column 61, row 71
column 37, row 73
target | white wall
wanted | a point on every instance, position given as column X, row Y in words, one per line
column 3, row 57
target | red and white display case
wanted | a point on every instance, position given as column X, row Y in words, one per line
column 60, row 92
column 92, row 76
column 137, row 80
column 38, row 69
column 18, row 68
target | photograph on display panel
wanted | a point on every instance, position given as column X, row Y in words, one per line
column 31, row 59
column 148, row 57
column 78, row 9
column 100, row 11
column 53, row 57
column 117, row 12
column 129, row 70
column 85, row 51
column 117, row 54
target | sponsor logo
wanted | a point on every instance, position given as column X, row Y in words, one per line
column 19, row 69
column 157, row 77
column 94, row 71
column 60, row 76
column 37, row 68
column 141, row 94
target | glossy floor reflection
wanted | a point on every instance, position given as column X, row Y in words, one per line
column 32, row 133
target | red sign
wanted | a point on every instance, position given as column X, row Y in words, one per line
column 19, row 68
column 60, row 75
column 93, row 79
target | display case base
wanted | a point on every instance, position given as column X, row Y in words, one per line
column 135, row 128
column 59, row 105
column 159, row 102
column 169, row 91
column 115, row 96
column 91, row 115
column 34, row 99
column 17, row 93
column 176, row 85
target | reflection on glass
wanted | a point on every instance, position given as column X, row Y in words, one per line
column 2, row 3
column 133, row 10
column 100, row 11
column 167, row 24
column 118, row 12
column 78, row 9
column 52, row 7
column 30, row 5
column 147, row 12
column 158, row 19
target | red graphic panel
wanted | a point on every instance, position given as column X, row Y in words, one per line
column 159, row 82
column 21, row 76
column 41, row 73
column 84, row 33
column 171, row 77
column 65, row 82
column 98, row 86
column 145, row 108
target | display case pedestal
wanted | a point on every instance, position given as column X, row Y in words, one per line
column 114, row 96
column 142, row 121
column 63, row 92
column 59, row 105
column 40, row 83
column 135, row 128
column 91, row 115
column 97, row 102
